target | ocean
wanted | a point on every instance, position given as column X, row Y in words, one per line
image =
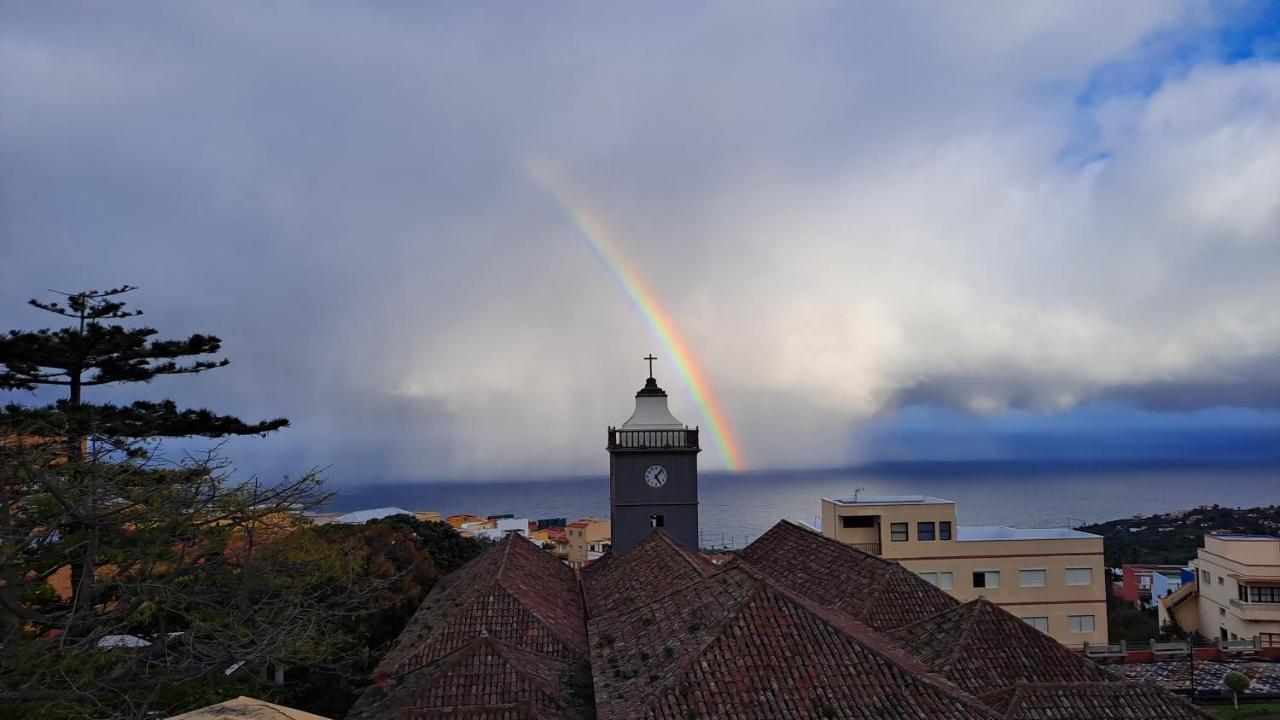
column 737, row 507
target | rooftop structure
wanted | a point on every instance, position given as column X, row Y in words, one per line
column 363, row 516
column 653, row 473
column 797, row 626
column 889, row 500
column 1050, row 577
column 984, row 533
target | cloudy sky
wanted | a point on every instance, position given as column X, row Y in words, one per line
column 886, row 230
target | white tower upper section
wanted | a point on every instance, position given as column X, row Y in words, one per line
column 651, row 411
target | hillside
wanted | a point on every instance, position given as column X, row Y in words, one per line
column 1174, row 537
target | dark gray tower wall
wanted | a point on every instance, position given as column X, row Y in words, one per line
column 632, row 503
column 652, row 436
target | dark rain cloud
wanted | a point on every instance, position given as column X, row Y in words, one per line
column 844, row 207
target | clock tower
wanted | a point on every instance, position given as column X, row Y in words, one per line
column 653, row 473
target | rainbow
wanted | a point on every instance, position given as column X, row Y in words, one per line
column 593, row 230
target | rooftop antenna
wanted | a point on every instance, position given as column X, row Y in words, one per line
column 855, row 493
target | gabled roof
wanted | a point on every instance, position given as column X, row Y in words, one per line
column 655, row 566
column 733, row 644
column 513, row 592
column 981, row 647
column 880, row 593
column 1090, row 701
column 485, row 674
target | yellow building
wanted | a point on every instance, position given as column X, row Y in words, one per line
column 1052, row 578
column 583, row 536
column 1237, row 590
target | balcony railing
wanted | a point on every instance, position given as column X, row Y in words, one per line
column 1256, row 610
column 653, row 439
column 869, row 548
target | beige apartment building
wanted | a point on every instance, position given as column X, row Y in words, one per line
column 588, row 539
column 1052, row 578
column 1236, row 595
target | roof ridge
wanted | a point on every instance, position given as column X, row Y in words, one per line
column 567, row 642
column 874, row 642
column 428, row 675
column 936, row 615
column 978, row 604
column 844, row 546
column 506, row 553
column 681, row 669
column 701, row 564
column 717, row 571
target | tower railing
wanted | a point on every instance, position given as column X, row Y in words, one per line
column 653, row 439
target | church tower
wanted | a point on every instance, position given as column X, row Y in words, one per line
column 653, row 473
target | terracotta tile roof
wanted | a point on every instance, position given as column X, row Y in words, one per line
column 982, row 647
column 656, row 565
column 486, row 674
column 795, row 627
column 1091, row 701
column 879, row 592
column 735, row 645
column 514, row 591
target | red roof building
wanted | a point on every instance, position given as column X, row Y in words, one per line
column 796, row 626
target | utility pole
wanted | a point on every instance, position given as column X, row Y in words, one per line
column 1191, row 655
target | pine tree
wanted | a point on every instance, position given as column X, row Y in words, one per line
column 95, row 351
column 212, row 582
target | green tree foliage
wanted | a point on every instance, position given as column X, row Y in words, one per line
column 1127, row 622
column 403, row 558
column 131, row 584
column 1236, row 683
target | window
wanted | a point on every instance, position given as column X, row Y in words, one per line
column 857, row 521
column 1222, row 580
column 1262, row 594
column 924, row 531
column 1039, row 623
column 986, row 578
column 1205, row 578
column 942, row 580
column 1080, row 623
column 1079, row 576
column 944, row 530
column 1031, row 578
column 1222, row 612
column 655, row 521
column 898, row 532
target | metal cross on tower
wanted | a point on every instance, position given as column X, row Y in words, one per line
column 650, row 358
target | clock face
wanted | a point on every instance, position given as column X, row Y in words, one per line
column 656, row 476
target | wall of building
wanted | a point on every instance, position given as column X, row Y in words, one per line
column 1218, row 565
column 1056, row 601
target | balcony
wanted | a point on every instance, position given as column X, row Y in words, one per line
column 686, row 439
column 869, row 548
column 1256, row 610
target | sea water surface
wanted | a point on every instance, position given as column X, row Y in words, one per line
column 737, row 507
